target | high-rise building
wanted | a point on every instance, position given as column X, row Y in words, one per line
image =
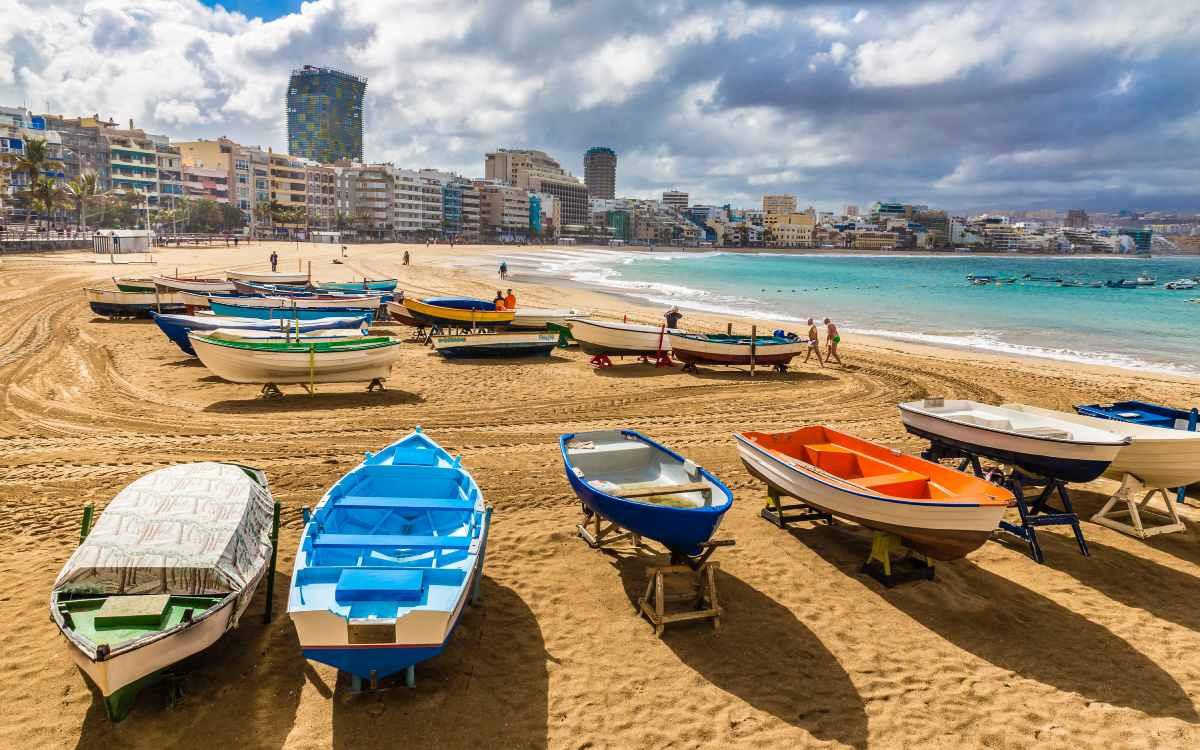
column 852, row 209
column 779, row 204
column 1077, row 218
column 600, row 172
column 324, row 114
column 675, row 199
column 538, row 172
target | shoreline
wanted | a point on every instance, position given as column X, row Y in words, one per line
column 650, row 312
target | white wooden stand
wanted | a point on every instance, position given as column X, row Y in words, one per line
column 1137, row 512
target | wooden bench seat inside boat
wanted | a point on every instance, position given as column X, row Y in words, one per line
column 660, row 489
column 379, row 585
column 403, row 503
column 390, row 541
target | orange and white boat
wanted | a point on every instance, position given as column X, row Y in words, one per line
column 938, row 511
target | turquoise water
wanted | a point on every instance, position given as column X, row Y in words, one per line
column 923, row 299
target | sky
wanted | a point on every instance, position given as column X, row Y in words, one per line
column 1022, row 104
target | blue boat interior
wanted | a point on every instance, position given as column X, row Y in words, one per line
column 460, row 303
column 621, row 464
column 393, row 536
column 1143, row 413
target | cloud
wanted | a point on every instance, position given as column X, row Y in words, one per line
column 1030, row 103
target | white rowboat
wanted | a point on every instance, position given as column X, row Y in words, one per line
column 275, row 362
column 621, row 339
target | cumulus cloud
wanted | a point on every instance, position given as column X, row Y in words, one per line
column 1025, row 104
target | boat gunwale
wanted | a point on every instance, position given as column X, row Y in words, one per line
column 318, row 347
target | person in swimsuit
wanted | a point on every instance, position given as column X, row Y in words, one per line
column 832, row 339
column 503, row 270
column 814, row 343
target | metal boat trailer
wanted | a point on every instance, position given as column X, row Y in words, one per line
column 1033, row 514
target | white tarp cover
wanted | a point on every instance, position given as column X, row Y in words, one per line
column 191, row 529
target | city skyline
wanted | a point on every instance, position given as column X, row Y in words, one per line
column 948, row 105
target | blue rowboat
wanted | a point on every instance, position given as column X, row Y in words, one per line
column 388, row 560
column 372, row 285
column 1144, row 413
column 313, row 310
column 645, row 487
column 176, row 327
column 250, row 289
column 461, row 303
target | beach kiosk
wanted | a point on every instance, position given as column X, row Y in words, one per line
column 118, row 241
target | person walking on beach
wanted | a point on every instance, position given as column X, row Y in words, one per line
column 503, row 270
column 673, row 315
column 406, row 257
column 832, row 339
column 814, row 343
column 499, row 301
column 274, row 261
column 510, row 300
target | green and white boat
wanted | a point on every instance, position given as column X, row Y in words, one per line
column 169, row 567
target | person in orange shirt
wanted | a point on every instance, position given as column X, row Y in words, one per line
column 510, row 302
column 499, row 301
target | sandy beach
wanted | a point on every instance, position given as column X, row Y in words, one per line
column 999, row 651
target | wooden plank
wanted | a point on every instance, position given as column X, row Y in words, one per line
column 662, row 489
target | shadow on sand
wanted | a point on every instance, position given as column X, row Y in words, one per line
column 761, row 374
column 764, row 655
column 242, row 691
column 1183, row 545
column 299, row 400
column 1015, row 628
column 488, row 689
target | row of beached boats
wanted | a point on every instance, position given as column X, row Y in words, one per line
column 393, row 552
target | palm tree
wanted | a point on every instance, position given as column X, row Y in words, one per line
column 32, row 162
column 49, row 195
column 83, row 189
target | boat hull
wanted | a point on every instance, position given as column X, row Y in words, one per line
column 943, row 533
column 1068, row 461
column 620, row 339
column 400, row 314
column 116, row 304
column 177, row 327
column 693, row 350
column 496, row 345
column 239, row 310
column 245, row 365
column 457, row 317
column 537, row 319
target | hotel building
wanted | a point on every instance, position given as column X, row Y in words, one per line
column 600, row 172
column 537, row 172
column 324, row 114
column 779, row 204
column 675, row 199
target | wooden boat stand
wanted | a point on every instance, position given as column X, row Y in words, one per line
column 701, row 596
column 1138, row 512
column 1035, row 514
column 778, row 514
column 879, row 565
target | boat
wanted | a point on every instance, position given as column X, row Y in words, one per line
column 371, row 285
column 535, row 318
column 1007, row 280
column 399, row 313
column 1051, row 279
column 938, row 511
column 1041, row 445
column 621, row 339
column 170, row 566
column 1146, row 280
column 645, row 487
column 286, row 335
column 981, row 281
column 525, row 344
column 719, row 349
column 193, row 284
column 1121, row 284
column 1143, row 413
column 1087, row 284
column 112, row 303
column 177, row 327
column 1157, row 457
column 1181, row 284
column 268, row 277
column 276, row 362
column 458, row 312
column 275, row 308
column 134, row 285
column 388, row 560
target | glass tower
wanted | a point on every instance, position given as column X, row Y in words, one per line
column 324, row 114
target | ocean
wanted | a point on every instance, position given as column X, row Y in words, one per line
column 919, row 298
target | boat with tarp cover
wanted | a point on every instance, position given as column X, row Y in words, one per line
column 169, row 567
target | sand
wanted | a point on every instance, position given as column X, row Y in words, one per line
column 998, row 652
